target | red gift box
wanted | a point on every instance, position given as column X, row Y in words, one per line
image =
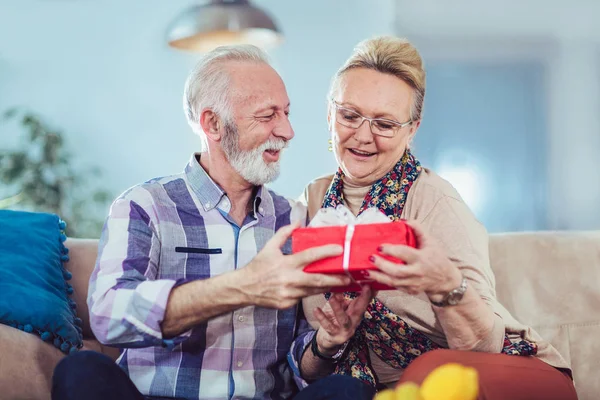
column 365, row 240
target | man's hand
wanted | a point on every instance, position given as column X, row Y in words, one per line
column 339, row 318
column 275, row 280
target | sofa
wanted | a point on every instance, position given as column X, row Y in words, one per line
column 549, row 280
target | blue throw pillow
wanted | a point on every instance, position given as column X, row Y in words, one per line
column 34, row 293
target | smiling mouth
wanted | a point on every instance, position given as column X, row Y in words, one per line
column 361, row 153
column 272, row 155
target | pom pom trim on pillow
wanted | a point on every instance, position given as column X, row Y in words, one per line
column 64, row 345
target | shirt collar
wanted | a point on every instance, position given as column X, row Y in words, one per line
column 263, row 202
column 210, row 194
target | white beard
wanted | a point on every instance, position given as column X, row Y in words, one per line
column 250, row 164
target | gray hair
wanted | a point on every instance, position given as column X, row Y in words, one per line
column 207, row 86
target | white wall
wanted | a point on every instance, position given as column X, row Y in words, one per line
column 556, row 18
column 565, row 36
column 101, row 71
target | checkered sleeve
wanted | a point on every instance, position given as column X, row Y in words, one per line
column 127, row 302
column 304, row 335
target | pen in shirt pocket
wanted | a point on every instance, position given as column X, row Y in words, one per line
column 198, row 250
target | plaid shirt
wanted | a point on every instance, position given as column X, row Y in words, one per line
column 170, row 231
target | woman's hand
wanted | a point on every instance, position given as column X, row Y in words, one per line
column 339, row 318
column 428, row 269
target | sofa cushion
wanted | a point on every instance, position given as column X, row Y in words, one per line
column 33, row 281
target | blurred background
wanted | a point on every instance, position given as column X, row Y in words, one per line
column 91, row 94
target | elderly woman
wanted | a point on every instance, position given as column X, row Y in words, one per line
column 445, row 297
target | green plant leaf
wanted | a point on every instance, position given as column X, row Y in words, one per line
column 41, row 172
column 11, row 201
column 10, row 113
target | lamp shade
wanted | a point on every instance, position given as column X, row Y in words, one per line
column 203, row 27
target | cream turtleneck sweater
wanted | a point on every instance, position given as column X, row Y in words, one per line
column 354, row 196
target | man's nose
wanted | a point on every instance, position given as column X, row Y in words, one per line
column 284, row 129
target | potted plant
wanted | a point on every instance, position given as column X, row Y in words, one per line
column 38, row 175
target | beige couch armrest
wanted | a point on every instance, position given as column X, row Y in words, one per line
column 26, row 365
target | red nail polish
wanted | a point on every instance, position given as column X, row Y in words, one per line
column 366, row 274
column 380, row 249
column 372, row 258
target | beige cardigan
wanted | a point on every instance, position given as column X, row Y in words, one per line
column 438, row 207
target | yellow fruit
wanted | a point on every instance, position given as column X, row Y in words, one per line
column 451, row 382
column 387, row 394
column 408, row 391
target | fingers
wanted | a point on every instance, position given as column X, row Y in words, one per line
column 394, row 269
column 336, row 303
column 325, row 323
column 358, row 307
column 380, row 277
column 317, row 253
column 282, row 235
column 405, row 253
column 311, row 291
column 408, row 285
column 298, row 293
column 321, row 281
column 346, row 304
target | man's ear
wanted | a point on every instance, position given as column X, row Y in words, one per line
column 210, row 124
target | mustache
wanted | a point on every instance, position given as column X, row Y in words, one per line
column 273, row 144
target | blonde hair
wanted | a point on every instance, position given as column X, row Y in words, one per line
column 388, row 55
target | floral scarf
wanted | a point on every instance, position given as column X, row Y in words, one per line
column 382, row 331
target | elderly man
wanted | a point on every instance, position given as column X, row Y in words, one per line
column 194, row 280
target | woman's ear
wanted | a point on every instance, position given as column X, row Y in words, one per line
column 329, row 124
column 414, row 127
column 210, row 124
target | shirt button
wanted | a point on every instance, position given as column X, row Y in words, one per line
column 239, row 364
column 241, row 318
column 261, row 210
column 207, row 205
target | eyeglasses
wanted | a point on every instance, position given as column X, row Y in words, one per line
column 379, row 126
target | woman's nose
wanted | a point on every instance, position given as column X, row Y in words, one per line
column 363, row 133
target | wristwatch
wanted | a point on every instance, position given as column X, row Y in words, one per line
column 334, row 358
column 454, row 297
